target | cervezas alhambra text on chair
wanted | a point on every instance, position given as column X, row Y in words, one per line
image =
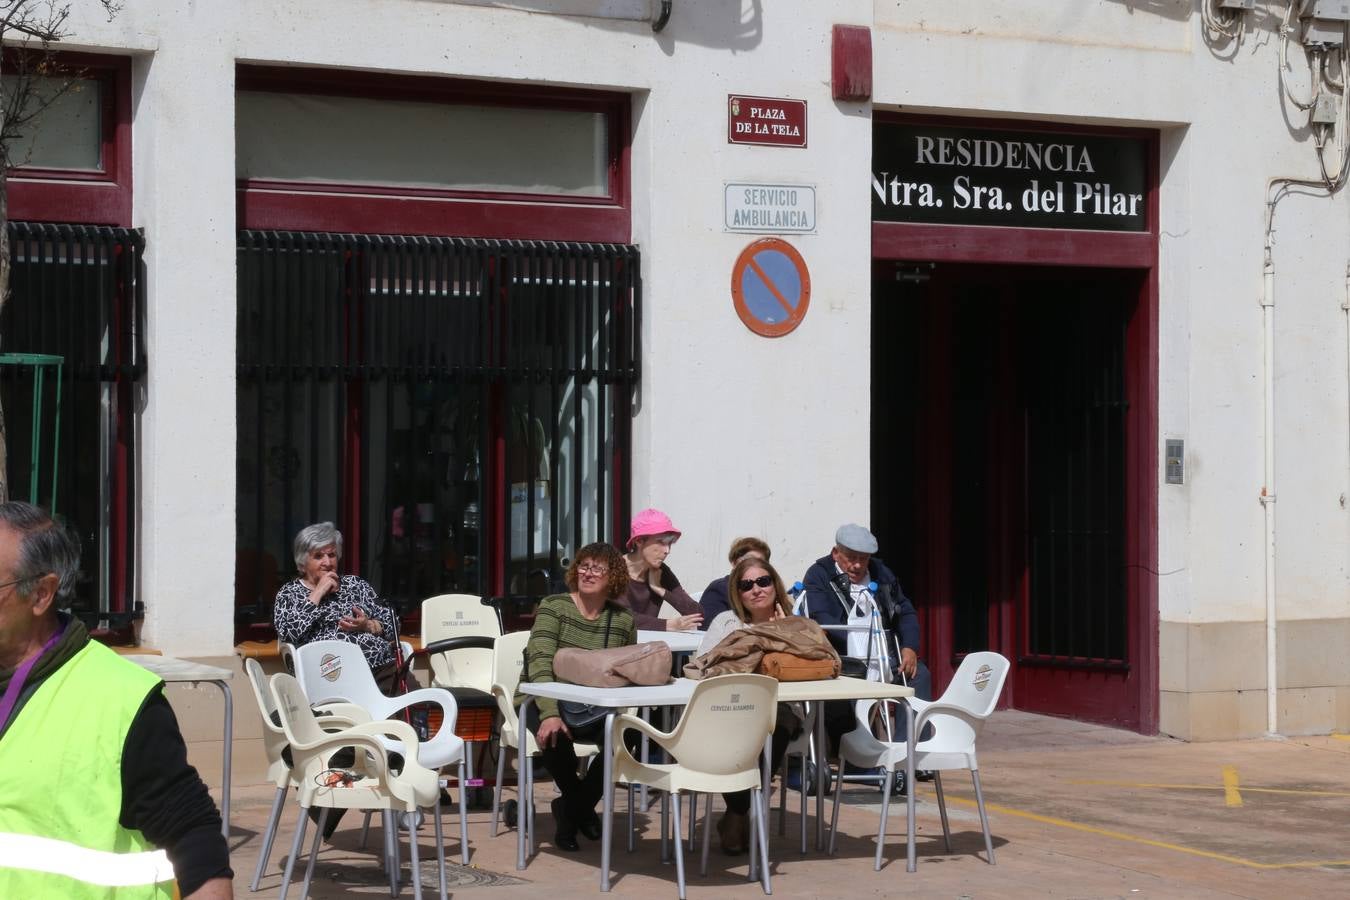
column 336, row 670
column 718, row 744
column 374, row 785
column 957, row 718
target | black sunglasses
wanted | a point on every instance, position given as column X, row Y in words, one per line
column 746, row 584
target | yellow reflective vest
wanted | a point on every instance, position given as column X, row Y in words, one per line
column 61, row 787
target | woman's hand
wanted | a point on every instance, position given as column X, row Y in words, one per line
column 327, row 584
column 654, row 582
column 358, row 621
column 684, row 623
column 777, row 613
column 549, row 729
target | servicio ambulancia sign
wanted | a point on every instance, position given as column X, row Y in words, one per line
column 769, row 208
column 940, row 174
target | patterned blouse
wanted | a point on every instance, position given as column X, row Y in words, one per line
column 299, row 622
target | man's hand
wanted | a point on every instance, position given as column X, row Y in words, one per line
column 909, row 662
column 684, row 623
column 549, row 729
column 215, row 889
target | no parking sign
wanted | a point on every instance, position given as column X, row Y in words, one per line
column 771, row 287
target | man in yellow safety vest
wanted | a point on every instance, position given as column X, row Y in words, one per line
column 97, row 799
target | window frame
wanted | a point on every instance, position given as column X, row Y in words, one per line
column 353, row 208
column 80, row 196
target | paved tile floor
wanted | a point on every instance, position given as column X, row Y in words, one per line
column 1078, row 811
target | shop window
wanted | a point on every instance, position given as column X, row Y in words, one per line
column 78, row 294
column 73, row 161
column 459, row 407
column 309, row 138
column 67, row 134
column 341, row 151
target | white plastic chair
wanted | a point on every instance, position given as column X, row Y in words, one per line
column 718, row 744
column 508, row 664
column 376, row 787
column 459, row 615
column 337, row 671
column 334, row 717
column 957, row 718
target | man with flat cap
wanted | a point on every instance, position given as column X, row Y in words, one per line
column 843, row 588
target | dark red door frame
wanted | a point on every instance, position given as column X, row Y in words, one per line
column 1045, row 247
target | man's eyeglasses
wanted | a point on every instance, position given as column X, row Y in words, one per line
column 592, row 570
column 746, row 584
column 6, row 584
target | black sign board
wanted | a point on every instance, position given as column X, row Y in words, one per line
column 949, row 175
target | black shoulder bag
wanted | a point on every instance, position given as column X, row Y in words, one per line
column 586, row 721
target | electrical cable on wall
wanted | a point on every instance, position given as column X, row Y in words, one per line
column 1221, row 23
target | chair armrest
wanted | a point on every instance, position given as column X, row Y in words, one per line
column 624, row 721
column 949, row 709
column 469, row 641
column 352, row 712
column 392, row 728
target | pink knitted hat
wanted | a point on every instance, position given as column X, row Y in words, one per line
column 649, row 522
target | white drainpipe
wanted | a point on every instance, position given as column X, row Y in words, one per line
column 1268, row 488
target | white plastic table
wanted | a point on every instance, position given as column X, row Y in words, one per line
column 179, row 671
column 677, row 693
column 677, row 641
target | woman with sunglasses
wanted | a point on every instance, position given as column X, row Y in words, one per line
column 757, row 596
column 587, row 617
column 650, row 581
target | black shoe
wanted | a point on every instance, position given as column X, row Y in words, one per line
column 924, row 775
column 565, row 832
column 588, row 823
column 897, row 785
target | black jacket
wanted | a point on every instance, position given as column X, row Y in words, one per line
column 714, row 600
column 827, row 602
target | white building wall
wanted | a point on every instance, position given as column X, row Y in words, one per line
column 740, row 434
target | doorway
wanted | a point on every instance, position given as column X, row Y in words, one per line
column 1006, row 441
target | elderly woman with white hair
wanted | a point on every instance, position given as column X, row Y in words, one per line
column 321, row 605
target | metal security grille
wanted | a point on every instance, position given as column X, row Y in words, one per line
column 78, row 291
column 1076, row 484
column 460, row 408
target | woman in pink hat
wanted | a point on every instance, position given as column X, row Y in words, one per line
column 650, row 581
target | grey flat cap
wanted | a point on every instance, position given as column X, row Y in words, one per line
column 856, row 538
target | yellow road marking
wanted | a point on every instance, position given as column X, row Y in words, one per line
column 1206, row 787
column 1231, row 796
column 1122, row 836
column 1341, row 737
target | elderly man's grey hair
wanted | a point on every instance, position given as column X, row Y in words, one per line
column 46, row 545
column 312, row 537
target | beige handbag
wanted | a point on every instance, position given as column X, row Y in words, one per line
column 647, row 663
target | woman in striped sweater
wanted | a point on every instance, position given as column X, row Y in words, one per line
column 588, row 618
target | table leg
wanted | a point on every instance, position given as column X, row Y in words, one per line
column 607, row 821
column 522, row 815
column 910, row 735
column 822, row 767
column 226, row 773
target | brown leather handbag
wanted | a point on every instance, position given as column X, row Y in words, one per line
column 647, row 663
column 791, row 667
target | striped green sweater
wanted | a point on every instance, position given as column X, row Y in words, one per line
column 558, row 624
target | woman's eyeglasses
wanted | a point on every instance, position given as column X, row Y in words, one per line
column 746, row 584
column 585, row 569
